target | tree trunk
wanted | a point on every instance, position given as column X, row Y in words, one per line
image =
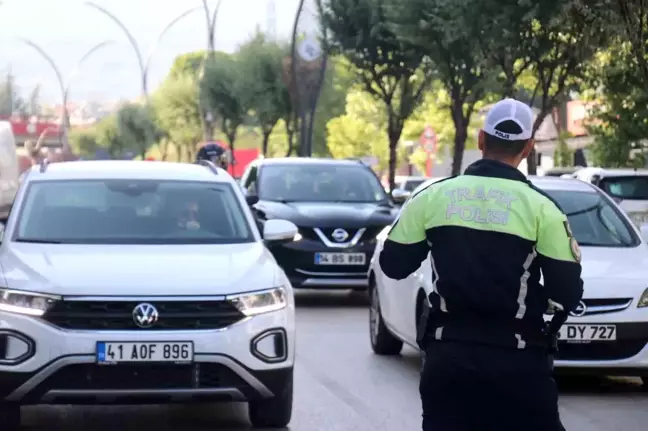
column 394, row 130
column 532, row 159
column 461, row 134
column 231, row 139
column 266, row 141
column 164, row 149
column 291, row 124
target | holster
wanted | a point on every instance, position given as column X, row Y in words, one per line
column 425, row 325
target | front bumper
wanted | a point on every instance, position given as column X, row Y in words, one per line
column 62, row 368
column 628, row 355
column 298, row 261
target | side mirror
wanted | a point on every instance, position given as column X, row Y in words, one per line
column 400, row 196
column 644, row 232
column 279, row 231
column 251, row 199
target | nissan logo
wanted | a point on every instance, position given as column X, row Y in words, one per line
column 340, row 235
column 580, row 310
column 145, row 315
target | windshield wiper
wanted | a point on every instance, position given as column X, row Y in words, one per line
column 37, row 241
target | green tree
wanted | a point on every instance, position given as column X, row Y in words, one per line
column 263, row 87
column 620, row 125
column 449, row 34
column 223, row 89
column 563, row 155
column 108, row 137
column 386, row 66
column 633, row 17
column 177, row 110
column 10, row 100
column 561, row 49
column 137, row 128
column 84, row 142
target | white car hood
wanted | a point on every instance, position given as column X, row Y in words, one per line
column 138, row 269
column 614, row 272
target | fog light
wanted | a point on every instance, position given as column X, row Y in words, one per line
column 643, row 300
column 270, row 346
column 14, row 348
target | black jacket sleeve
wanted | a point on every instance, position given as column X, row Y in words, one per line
column 559, row 258
column 406, row 245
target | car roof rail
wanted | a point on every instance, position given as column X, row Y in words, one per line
column 208, row 164
column 43, row 165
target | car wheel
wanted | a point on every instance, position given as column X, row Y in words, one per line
column 273, row 412
column 382, row 341
column 10, row 416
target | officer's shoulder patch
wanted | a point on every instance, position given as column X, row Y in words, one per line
column 575, row 249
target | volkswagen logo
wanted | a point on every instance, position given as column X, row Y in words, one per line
column 340, row 235
column 145, row 315
column 580, row 310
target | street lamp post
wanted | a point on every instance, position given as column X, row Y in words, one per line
column 309, row 60
column 143, row 62
column 205, row 111
column 64, row 84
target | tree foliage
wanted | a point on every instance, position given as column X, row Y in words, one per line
column 176, row 106
column 137, row 128
column 385, row 65
column 264, row 90
column 448, row 33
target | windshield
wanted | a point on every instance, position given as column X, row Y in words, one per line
column 131, row 212
column 593, row 220
column 319, row 183
column 631, row 187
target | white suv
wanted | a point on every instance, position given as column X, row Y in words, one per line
column 142, row 282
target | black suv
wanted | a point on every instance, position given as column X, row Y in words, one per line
column 339, row 206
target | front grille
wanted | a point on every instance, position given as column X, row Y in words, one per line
column 603, row 351
column 118, row 315
column 370, row 233
column 605, row 305
column 143, row 376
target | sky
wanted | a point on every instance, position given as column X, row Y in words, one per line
column 67, row 29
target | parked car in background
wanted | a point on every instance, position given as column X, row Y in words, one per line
column 338, row 205
column 9, row 169
column 129, row 282
column 405, row 186
column 559, row 172
column 606, row 334
column 628, row 187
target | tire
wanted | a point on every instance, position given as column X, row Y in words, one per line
column 273, row 412
column 382, row 341
column 10, row 416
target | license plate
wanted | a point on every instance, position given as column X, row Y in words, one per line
column 588, row 333
column 340, row 258
column 155, row 351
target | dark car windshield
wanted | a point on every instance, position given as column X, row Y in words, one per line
column 131, row 212
column 319, row 183
column 631, row 187
column 594, row 220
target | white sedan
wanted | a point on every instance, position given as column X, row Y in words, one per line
column 606, row 334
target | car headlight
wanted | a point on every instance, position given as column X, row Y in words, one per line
column 32, row 304
column 264, row 301
column 643, row 299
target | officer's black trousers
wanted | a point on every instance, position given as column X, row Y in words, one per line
column 472, row 387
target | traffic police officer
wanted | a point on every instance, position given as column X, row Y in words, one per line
column 489, row 234
column 214, row 153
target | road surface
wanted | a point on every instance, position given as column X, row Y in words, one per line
column 342, row 386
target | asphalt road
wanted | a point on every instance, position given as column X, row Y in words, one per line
column 342, row 386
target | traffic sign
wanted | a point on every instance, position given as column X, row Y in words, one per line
column 429, row 140
column 309, row 49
